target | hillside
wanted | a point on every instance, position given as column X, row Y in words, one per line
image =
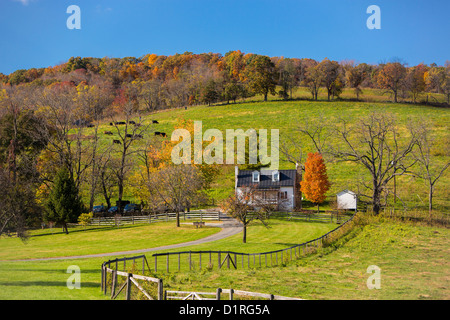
column 288, row 115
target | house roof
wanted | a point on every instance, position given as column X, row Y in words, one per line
column 287, row 179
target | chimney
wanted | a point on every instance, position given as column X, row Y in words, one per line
column 297, row 191
column 236, row 174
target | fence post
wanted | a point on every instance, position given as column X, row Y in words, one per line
column 128, row 292
column 160, row 289
column 231, row 294
column 113, row 284
column 218, row 291
column 103, row 276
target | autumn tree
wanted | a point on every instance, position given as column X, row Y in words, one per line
column 330, row 71
column 315, row 182
column 391, row 77
column 261, row 75
column 355, row 76
column 415, row 80
column 313, row 80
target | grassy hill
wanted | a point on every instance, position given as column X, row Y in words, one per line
column 287, row 115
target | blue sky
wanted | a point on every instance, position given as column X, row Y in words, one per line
column 34, row 32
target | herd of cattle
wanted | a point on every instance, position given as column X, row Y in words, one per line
column 136, row 136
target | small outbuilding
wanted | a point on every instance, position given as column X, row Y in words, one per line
column 347, row 200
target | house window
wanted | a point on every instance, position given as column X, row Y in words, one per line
column 283, row 195
column 255, row 176
column 275, row 176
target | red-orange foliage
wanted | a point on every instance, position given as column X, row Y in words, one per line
column 315, row 180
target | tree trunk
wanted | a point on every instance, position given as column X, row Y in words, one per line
column 430, row 199
column 178, row 219
column 244, row 234
column 395, row 96
column 265, row 96
column 376, row 201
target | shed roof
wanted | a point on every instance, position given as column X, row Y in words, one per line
column 346, row 191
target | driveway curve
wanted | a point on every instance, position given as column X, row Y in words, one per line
column 229, row 227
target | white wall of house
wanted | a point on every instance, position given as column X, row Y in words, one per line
column 289, row 203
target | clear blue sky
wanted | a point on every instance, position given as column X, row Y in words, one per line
column 34, row 32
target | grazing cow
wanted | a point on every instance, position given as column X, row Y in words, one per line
column 121, row 122
column 128, row 135
column 111, row 124
column 117, row 141
column 131, row 122
column 163, row 134
column 157, row 133
column 90, row 125
column 138, row 136
column 108, row 132
column 155, row 121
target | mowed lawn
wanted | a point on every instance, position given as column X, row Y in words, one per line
column 47, row 279
column 94, row 240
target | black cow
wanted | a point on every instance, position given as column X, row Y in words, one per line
column 155, row 121
column 108, row 132
column 117, row 141
column 128, row 135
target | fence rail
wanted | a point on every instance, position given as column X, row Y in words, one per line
column 188, row 295
column 112, row 267
column 229, row 259
column 122, row 220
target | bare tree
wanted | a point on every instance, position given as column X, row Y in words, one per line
column 429, row 170
column 241, row 206
column 375, row 145
column 128, row 132
column 178, row 186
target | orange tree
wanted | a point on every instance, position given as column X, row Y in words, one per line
column 315, row 180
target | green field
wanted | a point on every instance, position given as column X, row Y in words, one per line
column 414, row 262
column 287, row 115
column 414, row 259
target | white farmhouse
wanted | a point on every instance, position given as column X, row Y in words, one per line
column 347, row 200
column 277, row 187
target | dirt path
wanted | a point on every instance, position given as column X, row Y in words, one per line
column 229, row 227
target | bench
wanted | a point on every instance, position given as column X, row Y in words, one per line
column 198, row 223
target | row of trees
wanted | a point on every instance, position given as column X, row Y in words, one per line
column 156, row 82
column 49, row 160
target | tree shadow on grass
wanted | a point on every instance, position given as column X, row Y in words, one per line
column 84, row 284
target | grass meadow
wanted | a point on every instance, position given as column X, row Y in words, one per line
column 413, row 258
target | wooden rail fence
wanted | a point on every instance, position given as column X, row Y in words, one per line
column 196, row 260
column 112, row 267
column 232, row 293
column 151, row 218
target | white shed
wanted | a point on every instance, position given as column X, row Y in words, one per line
column 346, row 200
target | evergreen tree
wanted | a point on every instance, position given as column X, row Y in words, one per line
column 64, row 204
